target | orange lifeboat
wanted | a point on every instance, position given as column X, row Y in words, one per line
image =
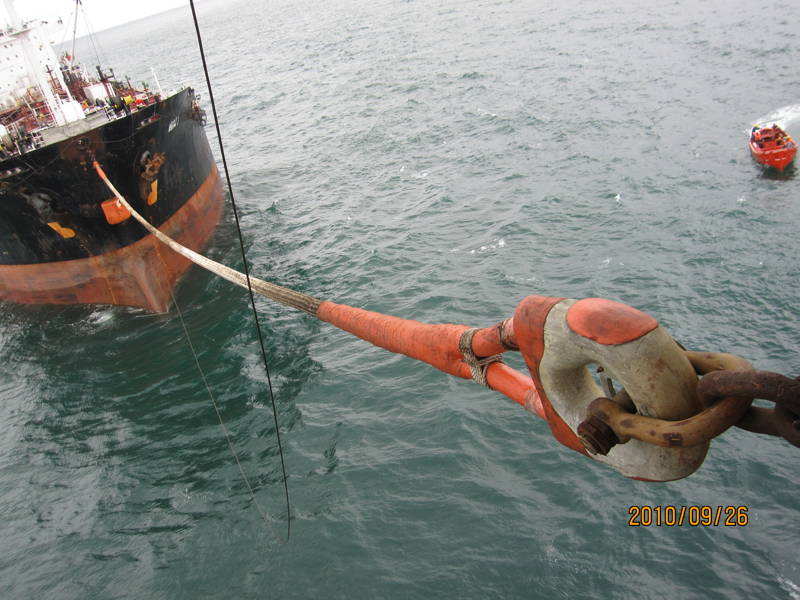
column 772, row 147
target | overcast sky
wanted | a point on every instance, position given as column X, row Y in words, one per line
column 102, row 14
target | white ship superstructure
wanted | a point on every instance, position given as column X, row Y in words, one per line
column 45, row 98
column 30, row 71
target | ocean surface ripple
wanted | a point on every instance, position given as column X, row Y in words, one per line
column 437, row 161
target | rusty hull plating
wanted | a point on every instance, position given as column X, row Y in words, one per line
column 141, row 274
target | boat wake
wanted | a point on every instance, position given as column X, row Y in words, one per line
column 100, row 317
column 784, row 117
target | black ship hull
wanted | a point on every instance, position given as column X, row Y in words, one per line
column 59, row 244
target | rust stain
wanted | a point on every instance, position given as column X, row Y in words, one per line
column 153, row 165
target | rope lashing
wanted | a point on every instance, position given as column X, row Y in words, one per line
column 477, row 366
column 656, row 428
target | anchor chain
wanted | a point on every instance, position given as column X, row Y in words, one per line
column 782, row 420
column 727, row 389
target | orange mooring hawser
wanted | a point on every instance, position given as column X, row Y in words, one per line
column 438, row 345
column 656, row 428
column 558, row 339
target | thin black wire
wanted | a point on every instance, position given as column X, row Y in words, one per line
column 244, row 261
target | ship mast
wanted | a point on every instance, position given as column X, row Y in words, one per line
column 74, row 33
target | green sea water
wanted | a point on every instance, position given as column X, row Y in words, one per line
column 437, row 161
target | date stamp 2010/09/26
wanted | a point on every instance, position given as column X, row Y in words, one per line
column 704, row 515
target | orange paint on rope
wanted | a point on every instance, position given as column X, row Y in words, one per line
column 516, row 386
column 490, row 340
column 436, row 345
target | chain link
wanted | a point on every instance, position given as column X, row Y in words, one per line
column 727, row 389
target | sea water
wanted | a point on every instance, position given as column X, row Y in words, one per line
column 437, row 161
